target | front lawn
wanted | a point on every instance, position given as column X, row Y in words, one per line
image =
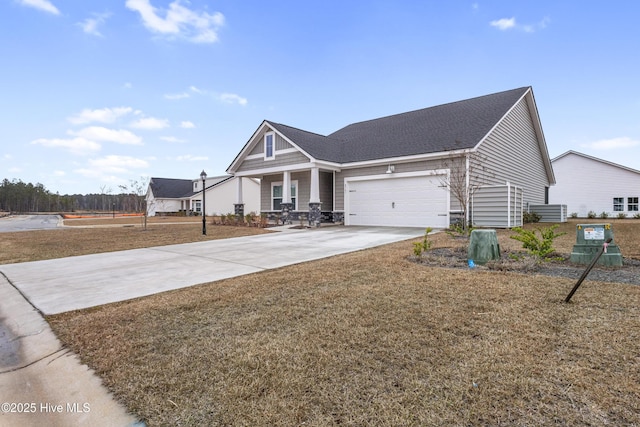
column 371, row 338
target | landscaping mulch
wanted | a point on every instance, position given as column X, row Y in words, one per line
column 520, row 262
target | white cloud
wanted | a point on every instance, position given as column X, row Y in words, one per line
column 150, row 123
column 59, row 173
column 90, row 25
column 78, row 146
column 191, row 158
column 613, row 143
column 232, row 98
column 43, row 5
column 127, row 85
column 196, row 90
column 15, row 169
column 104, row 115
column 504, row 23
column 7, row 157
column 174, row 96
column 179, row 21
column 99, row 133
column 187, row 124
column 117, row 164
column 173, row 139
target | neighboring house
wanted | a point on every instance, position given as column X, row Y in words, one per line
column 172, row 196
column 400, row 170
column 588, row 184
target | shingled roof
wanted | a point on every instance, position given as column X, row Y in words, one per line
column 453, row 126
column 170, row 188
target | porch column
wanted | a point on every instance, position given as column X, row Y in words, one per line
column 239, row 205
column 287, row 206
column 315, row 213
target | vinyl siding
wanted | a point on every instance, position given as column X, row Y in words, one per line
column 279, row 160
column 550, row 213
column 585, row 185
column 497, row 206
column 381, row 169
column 304, row 190
column 511, row 153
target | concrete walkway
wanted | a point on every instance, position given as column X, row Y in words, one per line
column 59, row 285
column 46, row 384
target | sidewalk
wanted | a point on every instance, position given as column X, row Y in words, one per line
column 42, row 383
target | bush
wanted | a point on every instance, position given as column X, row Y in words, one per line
column 637, row 216
column 591, row 214
column 622, row 215
column 604, row 215
column 529, row 217
column 540, row 247
column 574, row 215
column 425, row 245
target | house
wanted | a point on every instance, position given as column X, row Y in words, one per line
column 589, row 184
column 483, row 158
column 173, row 196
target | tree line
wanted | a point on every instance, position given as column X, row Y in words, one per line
column 19, row 197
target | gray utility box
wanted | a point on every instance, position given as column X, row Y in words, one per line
column 589, row 240
column 483, row 246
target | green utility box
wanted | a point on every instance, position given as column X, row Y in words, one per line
column 589, row 240
column 483, row 246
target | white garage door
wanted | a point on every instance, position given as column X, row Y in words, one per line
column 416, row 201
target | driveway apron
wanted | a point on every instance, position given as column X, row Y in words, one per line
column 59, row 285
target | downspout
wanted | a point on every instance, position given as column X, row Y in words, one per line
column 508, row 205
column 467, row 194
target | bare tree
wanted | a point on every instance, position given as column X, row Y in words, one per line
column 467, row 174
column 136, row 193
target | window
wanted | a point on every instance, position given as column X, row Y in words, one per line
column 269, row 147
column 276, row 195
column 197, row 206
column 618, row 204
column 632, row 204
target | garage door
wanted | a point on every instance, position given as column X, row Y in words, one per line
column 416, row 201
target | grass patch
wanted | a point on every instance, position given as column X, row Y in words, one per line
column 370, row 338
column 27, row 246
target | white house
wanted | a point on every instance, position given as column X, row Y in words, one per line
column 172, row 196
column 588, row 184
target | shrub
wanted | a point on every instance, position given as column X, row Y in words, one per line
column 604, row 215
column 425, row 245
column 458, row 230
column 637, row 216
column 574, row 215
column 542, row 246
column 622, row 215
column 591, row 214
column 529, row 217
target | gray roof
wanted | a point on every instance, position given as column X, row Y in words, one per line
column 170, row 188
column 453, row 126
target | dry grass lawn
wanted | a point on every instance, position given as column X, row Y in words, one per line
column 107, row 235
column 370, row 338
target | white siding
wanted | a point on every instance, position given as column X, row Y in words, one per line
column 221, row 199
column 585, row 184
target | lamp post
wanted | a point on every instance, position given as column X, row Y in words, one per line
column 203, row 175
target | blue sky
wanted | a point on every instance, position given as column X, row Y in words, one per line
column 95, row 94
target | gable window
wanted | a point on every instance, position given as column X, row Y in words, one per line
column 618, row 204
column 632, row 204
column 276, row 195
column 269, row 145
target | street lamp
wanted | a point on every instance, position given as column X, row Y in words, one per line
column 203, row 175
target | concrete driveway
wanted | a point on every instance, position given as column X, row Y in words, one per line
column 59, row 285
column 29, row 222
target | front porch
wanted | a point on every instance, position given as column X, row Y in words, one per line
column 288, row 197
